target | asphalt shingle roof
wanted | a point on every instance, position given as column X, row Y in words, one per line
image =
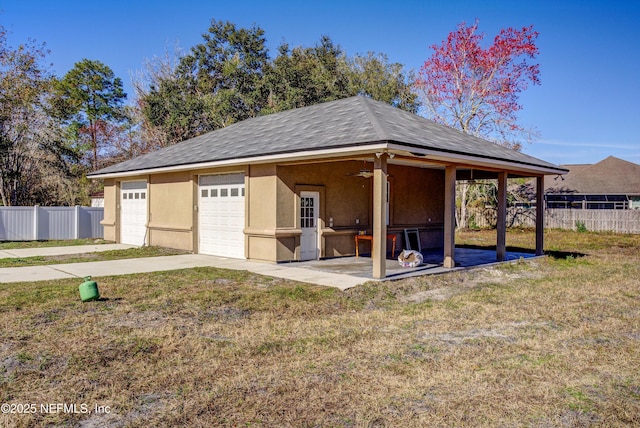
column 348, row 122
column 610, row 176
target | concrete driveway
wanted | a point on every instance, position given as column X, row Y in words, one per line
column 156, row 264
column 341, row 273
column 57, row 251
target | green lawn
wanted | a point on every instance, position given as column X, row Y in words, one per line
column 543, row 343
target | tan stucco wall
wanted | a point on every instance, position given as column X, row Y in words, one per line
column 417, row 200
column 417, row 195
column 272, row 205
column 261, row 201
column 347, row 197
column 344, row 199
column 110, row 204
column 171, row 204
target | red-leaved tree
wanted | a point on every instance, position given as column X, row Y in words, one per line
column 476, row 89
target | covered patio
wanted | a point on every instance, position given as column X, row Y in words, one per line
column 456, row 167
column 361, row 267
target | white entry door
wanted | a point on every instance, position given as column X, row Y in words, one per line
column 221, row 215
column 309, row 209
column 133, row 212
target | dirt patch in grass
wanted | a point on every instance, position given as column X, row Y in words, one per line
column 544, row 343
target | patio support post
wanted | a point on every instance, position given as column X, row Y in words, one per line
column 501, row 244
column 449, row 216
column 540, row 207
column 379, row 243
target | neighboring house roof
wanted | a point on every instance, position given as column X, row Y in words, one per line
column 346, row 123
column 611, row 176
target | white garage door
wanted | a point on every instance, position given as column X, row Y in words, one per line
column 133, row 212
column 221, row 215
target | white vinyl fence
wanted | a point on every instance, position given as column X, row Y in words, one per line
column 619, row 221
column 46, row 223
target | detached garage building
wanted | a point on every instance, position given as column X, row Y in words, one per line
column 301, row 184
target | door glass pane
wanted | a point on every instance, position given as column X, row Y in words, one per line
column 307, row 212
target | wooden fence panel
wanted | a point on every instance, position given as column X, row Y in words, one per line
column 619, row 221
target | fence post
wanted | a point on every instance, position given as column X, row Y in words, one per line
column 76, row 230
column 35, row 222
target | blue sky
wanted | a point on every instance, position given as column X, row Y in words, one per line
column 586, row 109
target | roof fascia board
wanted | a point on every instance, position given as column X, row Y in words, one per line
column 294, row 156
column 435, row 155
column 452, row 157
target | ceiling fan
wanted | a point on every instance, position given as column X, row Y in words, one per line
column 362, row 173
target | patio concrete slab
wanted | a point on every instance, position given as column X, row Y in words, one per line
column 361, row 267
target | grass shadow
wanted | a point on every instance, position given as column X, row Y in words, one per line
column 564, row 255
column 108, row 299
column 558, row 255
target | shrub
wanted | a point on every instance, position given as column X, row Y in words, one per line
column 580, row 226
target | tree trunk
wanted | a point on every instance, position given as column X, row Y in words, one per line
column 4, row 197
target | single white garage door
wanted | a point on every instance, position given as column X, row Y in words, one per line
column 133, row 212
column 221, row 215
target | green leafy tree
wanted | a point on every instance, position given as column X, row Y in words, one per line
column 229, row 78
column 301, row 77
column 216, row 84
column 305, row 76
column 90, row 99
column 374, row 76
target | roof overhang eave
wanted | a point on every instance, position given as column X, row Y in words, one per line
column 280, row 157
column 479, row 161
column 418, row 152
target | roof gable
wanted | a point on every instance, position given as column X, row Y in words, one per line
column 609, row 176
column 349, row 122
